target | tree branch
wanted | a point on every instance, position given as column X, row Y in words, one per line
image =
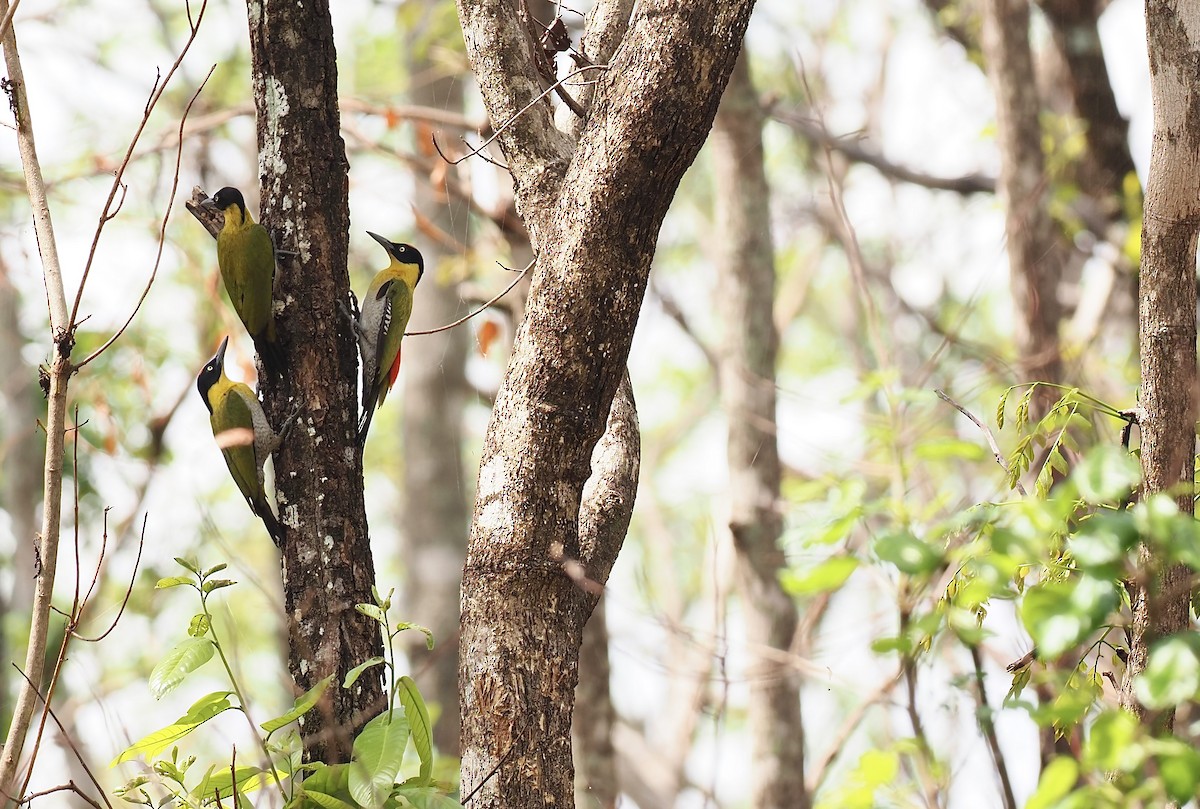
column 851, row 148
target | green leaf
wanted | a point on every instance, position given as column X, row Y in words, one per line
column 303, row 704
column 249, row 779
column 949, row 449
column 1102, row 541
column 199, row 625
column 418, row 721
column 189, row 655
column 1179, row 766
column 202, row 710
column 1111, row 742
column 378, row 751
column 172, row 581
column 1061, row 614
column 1057, row 780
column 189, row 564
column 1172, row 675
column 1000, row 408
column 372, row 612
column 837, row 530
column 324, row 800
column 356, row 672
column 214, row 570
column 825, row 577
column 217, row 584
column 1107, row 473
column 908, row 553
column 403, row 626
column 427, row 797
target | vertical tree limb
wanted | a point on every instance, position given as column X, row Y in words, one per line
column 1168, row 313
column 56, row 414
column 327, row 562
column 1035, row 253
column 605, row 511
column 748, row 348
column 594, row 217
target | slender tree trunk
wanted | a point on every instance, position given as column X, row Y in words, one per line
column 1035, row 252
column 593, row 213
column 746, row 298
column 20, row 485
column 435, row 511
column 1168, row 313
column 327, row 563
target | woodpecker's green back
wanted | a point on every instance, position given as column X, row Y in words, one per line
column 246, row 257
column 243, row 435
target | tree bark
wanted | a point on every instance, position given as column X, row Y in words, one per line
column 1035, row 252
column 327, row 563
column 593, row 214
column 1168, row 312
column 745, row 304
column 435, row 511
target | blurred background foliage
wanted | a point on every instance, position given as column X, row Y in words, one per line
column 918, row 572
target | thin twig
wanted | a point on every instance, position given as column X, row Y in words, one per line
column 490, row 775
column 984, row 712
column 70, row 786
column 515, row 116
column 106, row 213
column 837, row 743
column 483, row 308
column 128, row 591
column 71, row 744
column 987, row 433
column 162, row 230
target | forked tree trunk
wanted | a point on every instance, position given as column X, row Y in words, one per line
column 593, row 213
column 327, row 563
column 1168, row 313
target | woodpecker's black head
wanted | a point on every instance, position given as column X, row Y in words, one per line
column 225, row 199
column 402, row 253
column 212, row 373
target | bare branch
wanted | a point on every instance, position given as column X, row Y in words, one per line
column 483, row 308
column 500, row 129
column 162, row 230
column 106, row 213
column 987, row 433
column 850, row 148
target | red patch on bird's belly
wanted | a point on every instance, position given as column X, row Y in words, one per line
column 394, row 371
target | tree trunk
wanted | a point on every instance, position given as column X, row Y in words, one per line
column 327, row 564
column 435, row 511
column 594, row 214
column 1035, row 252
column 1168, row 313
column 746, row 298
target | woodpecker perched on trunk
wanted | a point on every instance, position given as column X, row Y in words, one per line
column 381, row 322
column 246, row 257
column 243, row 434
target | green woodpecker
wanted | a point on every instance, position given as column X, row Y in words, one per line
column 243, row 434
column 381, row 322
column 246, row 257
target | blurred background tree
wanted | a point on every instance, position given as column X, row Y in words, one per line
column 953, row 204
